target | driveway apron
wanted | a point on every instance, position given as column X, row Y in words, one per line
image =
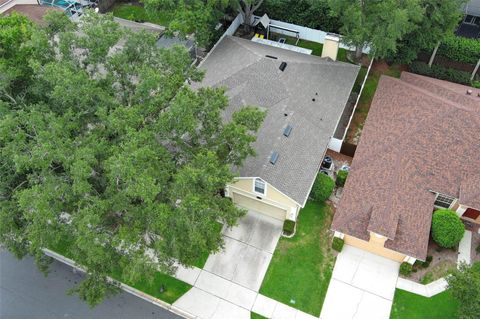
column 228, row 285
column 362, row 286
column 248, row 250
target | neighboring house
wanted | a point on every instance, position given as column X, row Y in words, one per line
column 34, row 12
column 470, row 26
column 472, row 8
column 304, row 97
column 420, row 150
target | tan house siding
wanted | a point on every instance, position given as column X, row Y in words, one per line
column 375, row 245
column 272, row 203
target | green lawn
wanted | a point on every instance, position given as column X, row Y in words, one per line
column 174, row 288
column 302, row 266
column 138, row 13
column 254, row 315
column 410, row 306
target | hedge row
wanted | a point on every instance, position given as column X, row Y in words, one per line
column 460, row 49
column 440, row 72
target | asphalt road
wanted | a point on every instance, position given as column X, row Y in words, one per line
column 26, row 293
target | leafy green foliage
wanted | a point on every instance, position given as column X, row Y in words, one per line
column 15, row 30
column 314, row 14
column 405, row 269
column 105, row 150
column 201, row 16
column 138, row 13
column 190, row 16
column 288, row 226
column 337, row 244
column 460, row 49
column 380, row 24
column 341, row 178
column 440, row 72
column 439, row 21
column 447, row 228
column 464, row 285
column 322, row 188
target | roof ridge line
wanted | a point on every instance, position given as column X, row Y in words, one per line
column 433, row 81
column 433, row 95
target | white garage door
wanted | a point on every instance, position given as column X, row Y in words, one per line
column 259, row 206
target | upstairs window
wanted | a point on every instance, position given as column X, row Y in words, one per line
column 443, row 201
column 259, row 186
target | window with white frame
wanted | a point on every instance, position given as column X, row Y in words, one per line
column 259, row 186
column 444, row 201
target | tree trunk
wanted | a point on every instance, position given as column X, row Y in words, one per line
column 247, row 19
column 358, row 53
column 434, row 53
column 475, row 70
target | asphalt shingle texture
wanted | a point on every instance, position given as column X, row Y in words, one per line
column 310, row 95
column 421, row 136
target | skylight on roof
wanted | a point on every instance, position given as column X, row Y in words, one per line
column 287, row 130
column 274, row 158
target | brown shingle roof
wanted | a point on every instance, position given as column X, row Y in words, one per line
column 421, row 135
column 34, row 12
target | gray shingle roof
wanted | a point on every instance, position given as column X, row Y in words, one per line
column 252, row 78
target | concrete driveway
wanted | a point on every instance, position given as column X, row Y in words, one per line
column 248, row 250
column 228, row 285
column 362, row 286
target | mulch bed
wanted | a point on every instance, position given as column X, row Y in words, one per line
column 442, row 261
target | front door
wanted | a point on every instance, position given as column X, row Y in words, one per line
column 471, row 213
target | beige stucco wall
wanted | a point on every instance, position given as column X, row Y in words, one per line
column 375, row 245
column 274, row 197
column 330, row 47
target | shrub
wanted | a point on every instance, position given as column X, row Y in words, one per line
column 428, row 278
column 460, row 49
column 405, row 269
column 476, row 84
column 288, row 226
column 440, row 72
column 447, row 228
column 322, row 188
column 337, row 244
column 341, row 178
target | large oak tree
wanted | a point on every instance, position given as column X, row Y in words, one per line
column 105, row 150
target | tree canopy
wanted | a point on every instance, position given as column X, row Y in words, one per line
column 201, row 16
column 380, row 24
column 439, row 21
column 464, row 285
column 105, row 149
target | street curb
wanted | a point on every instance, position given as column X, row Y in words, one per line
column 124, row 287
